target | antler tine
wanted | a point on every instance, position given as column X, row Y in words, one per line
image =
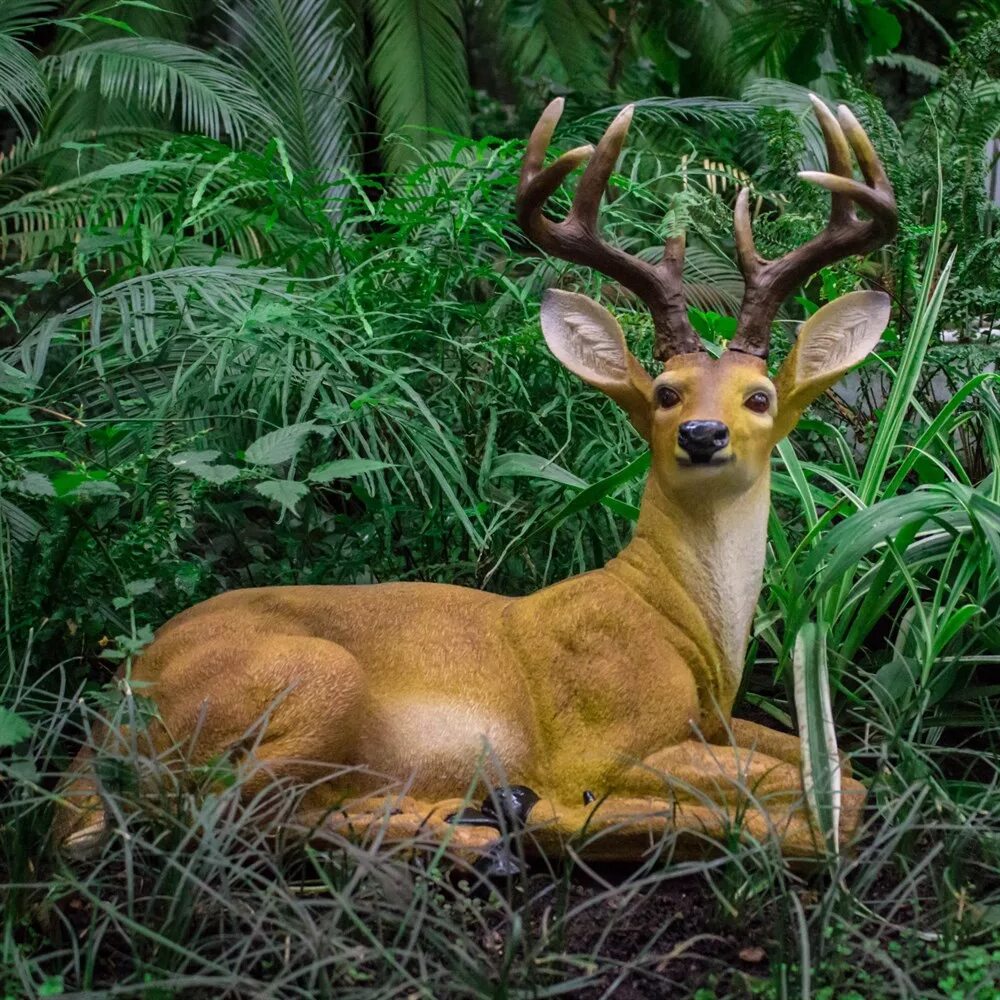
column 577, row 239
column 769, row 282
column 536, row 185
column 838, row 155
column 594, row 182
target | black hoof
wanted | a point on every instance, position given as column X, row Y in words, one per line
column 470, row 816
column 511, row 805
column 499, row 862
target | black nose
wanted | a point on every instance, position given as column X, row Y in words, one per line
column 701, row 439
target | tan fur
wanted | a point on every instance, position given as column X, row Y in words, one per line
column 608, row 682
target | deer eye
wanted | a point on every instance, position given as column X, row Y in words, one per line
column 667, row 397
column 758, row 402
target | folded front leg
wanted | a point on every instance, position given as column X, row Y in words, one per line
column 762, row 739
column 704, row 793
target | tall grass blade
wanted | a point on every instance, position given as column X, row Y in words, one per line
column 821, row 777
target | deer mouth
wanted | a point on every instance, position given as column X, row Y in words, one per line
column 688, row 461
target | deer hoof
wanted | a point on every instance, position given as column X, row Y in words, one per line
column 473, row 817
column 502, row 809
column 499, row 862
column 511, row 805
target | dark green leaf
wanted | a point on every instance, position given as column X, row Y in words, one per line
column 345, row 469
column 286, row 492
column 13, row 728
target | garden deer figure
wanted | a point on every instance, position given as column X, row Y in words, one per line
column 609, row 694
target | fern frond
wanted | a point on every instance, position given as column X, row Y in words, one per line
column 767, row 92
column 209, row 96
column 912, row 64
column 419, row 71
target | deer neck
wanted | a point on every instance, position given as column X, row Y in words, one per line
column 699, row 561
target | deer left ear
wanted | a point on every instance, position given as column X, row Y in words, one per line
column 830, row 343
column 587, row 339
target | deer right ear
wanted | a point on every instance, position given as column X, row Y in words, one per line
column 587, row 339
column 829, row 344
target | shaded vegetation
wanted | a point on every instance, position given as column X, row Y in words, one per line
column 266, row 319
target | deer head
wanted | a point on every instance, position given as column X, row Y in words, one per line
column 711, row 423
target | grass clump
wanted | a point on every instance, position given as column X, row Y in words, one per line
column 203, row 891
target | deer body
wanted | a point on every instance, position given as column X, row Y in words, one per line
column 617, row 682
column 565, row 688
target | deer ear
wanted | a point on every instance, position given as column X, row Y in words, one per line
column 587, row 339
column 831, row 342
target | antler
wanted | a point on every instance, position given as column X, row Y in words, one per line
column 576, row 238
column 769, row 282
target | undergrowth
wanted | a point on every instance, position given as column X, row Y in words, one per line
column 204, row 891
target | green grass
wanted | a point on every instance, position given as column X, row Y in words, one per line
column 203, row 892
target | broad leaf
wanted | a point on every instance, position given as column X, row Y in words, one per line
column 34, row 484
column 536, row 467
column 185, row 459
column 279, row 446
column 218, row 474
column 287, row 492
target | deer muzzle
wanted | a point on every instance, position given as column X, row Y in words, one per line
column 702, row 440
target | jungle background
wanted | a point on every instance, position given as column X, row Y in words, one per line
column 265, row 319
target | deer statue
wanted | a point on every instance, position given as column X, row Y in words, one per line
column 601, row 703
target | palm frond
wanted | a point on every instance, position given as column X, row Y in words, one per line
column 26, row 157
column 192, row 201
column 23, row 94
column 139, row 309
column 295, row 51
column 712, row 280
column 705, row 30
column 167, row 19
column 768, row 33
column 419, row 71
column 712, row 112
column 17, row 16
column 209, row 96
column 562, row 40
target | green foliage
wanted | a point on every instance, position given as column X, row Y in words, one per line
column 21, row 82
column 418, row 71
column 793, row 38
column 231, row 357
column 164, row 76
column 562, row 41
column 295, row 51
